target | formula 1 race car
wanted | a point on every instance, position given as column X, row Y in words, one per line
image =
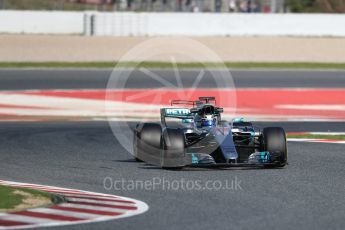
column 200, row 138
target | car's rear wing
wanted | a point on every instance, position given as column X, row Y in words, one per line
column 180, row 113
column 208, row 100
column 182, row 102
column 202, row 100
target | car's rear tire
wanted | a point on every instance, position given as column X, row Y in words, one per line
column 147, row 143
column 173, row 149
column 274, row 140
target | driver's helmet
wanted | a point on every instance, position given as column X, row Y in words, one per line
column 208, row 121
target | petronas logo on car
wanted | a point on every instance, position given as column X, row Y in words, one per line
column 177, row 112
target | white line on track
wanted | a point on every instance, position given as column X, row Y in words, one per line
column 316, row 140
column 97, row 202
column 66, row 213
column 26, row 219
column 91, row 207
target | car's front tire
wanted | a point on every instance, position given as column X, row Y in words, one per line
column 274, row 140
column 147, row 143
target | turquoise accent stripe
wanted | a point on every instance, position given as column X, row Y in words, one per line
column 195, row 159
column 264, row 157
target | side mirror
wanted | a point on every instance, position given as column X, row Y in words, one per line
column 238, row 120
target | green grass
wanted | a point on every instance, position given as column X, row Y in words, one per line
column 237, row 65
column 9, row 200
column 317, row 136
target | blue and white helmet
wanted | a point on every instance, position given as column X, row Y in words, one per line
column 208, row 121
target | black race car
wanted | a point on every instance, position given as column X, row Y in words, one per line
column 200, row 138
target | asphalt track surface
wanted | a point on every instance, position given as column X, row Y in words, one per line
column 11, row 79
column 307, row 194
